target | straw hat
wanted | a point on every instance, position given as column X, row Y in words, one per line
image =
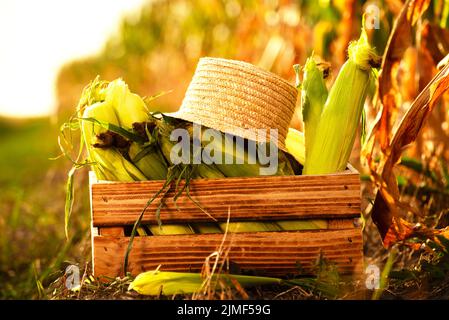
column 231, row 96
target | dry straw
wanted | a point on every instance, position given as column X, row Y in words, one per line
column 229, row 95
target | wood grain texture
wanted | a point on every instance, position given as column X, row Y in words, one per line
column 267, row 253
column 258, row 198
column 341, row 224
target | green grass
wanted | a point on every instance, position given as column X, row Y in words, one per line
column 32, row 242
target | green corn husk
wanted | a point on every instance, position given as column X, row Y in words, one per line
column 165, row 146
column 152, row 164
column 170, row 229
column 296, row 225
column 170, row 283
column 201, row 170
column 128, row 107
column 253, row 226
column 295, row 144
column 243, row 165
column 313, row 97
column 206, row 227
column 131, row 109
column 239, row 168
column 109, row 164
column 207, row 171
column 340, row 118
column 141, row 231
column 116, row 105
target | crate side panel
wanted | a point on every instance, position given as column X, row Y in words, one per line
column 267, row 253
column 270, row 198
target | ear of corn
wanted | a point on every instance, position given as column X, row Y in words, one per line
column 120, row 107
column 166, row 145
column 253, row 226
column 206, row 227
column 296, row 225
column 108, row 164
column 141, row 231
column 202, row 170
column 128, row 107
column 169, row 283
column 313, row 97
column 340, row 118
column 295, row 144
column 152, row 164
column 243, row 165
column 115, row 104
column 170, row 229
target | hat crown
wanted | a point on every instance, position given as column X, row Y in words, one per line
column 234, row 96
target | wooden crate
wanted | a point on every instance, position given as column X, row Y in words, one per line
column 335, row 197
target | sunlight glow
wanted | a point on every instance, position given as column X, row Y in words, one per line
column 37, row 37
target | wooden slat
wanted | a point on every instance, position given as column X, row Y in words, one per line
column 341, row 224
column 268, row 253
column 258, row 198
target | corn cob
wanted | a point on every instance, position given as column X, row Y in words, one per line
column 336, row 130
column 201, row 170
column 165, row 145
column 109, row 164
column 141, row 231
column 313, row 97
column 240, row 167
column 253, row 226
column 152, row 164
column 206, row 227
column 125, row 109
column 156, row 282
column 205, row 171
column 294, row 225
column 243, row 165
column 295, row 144
column 128, row 107
column 131, row 109
column 170, row 229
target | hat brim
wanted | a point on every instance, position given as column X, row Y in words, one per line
column 223, row 127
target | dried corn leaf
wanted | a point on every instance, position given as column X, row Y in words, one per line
column 416, row 9
column 400, row 39
column 386, row 206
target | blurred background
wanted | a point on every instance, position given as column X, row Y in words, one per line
column 50, row 50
